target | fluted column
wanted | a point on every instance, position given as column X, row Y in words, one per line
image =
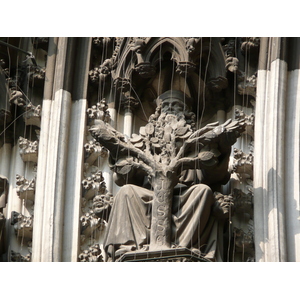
column 47, row 240
column 269, row 153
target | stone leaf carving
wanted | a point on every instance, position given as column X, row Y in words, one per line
column 99, row 112
column 93, row 185
column 94, row 150
column 28, row 150
column 25, row 188
column 32, row 114
column 243, row 164
column 92, row 254
column 36, row 73
column 23, row 225
column 90, row 222
column 247, row 84
column 249, row 121
column 17, row 257
column 250, row 44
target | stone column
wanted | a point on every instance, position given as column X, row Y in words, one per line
column 73, row 194
column 50, row 190
column 292, row 152
column 269, row 153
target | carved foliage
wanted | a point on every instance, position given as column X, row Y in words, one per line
column 99, row 112
column 22, row 225
column 249, row 121
column 93, row 185
column 92, row 254
column 28, row 150
column 25, row 188
column 17, row 257
column 243, row 164
column 32, row 115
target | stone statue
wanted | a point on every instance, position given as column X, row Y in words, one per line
column 166, row 173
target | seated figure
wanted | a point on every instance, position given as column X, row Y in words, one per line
column 167, row 174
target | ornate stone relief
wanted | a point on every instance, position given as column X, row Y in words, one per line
column 92, row 254
column 98, row 112
column 17, row 257
column 28, row 150
column 32, row 114
column 25, row 187
column 243, row 164
column 249, row 121
column 247, row 84
column 22, row 225
column 36, row 74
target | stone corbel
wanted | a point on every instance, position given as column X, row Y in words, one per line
column 25, row 188
column 28, row 150
column 249, row 121
column 93, row 185
column 23, row 225
column 122, row 84
column 129, row 103
column 92, row 254
column 145, row 69
column 242, row 164
column 185, row 68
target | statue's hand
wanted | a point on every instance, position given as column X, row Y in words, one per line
column 223, row 208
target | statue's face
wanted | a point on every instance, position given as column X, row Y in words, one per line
column 172, row 106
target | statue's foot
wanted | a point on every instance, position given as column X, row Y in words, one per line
column 123, row 249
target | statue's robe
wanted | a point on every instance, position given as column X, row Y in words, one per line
column 193, row 226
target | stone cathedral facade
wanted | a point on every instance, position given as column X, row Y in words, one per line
column 149, row 149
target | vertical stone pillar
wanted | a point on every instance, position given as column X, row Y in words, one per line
column 269, row 153
column 73, row 194
column 47, row 240
column 292, row 152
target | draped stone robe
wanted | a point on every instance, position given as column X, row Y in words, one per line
column 193, row 226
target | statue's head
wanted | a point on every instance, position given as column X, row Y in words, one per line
column 174, row 102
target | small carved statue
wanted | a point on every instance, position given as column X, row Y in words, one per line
column 166, row 173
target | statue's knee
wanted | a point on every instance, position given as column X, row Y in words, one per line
column 205, row 191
